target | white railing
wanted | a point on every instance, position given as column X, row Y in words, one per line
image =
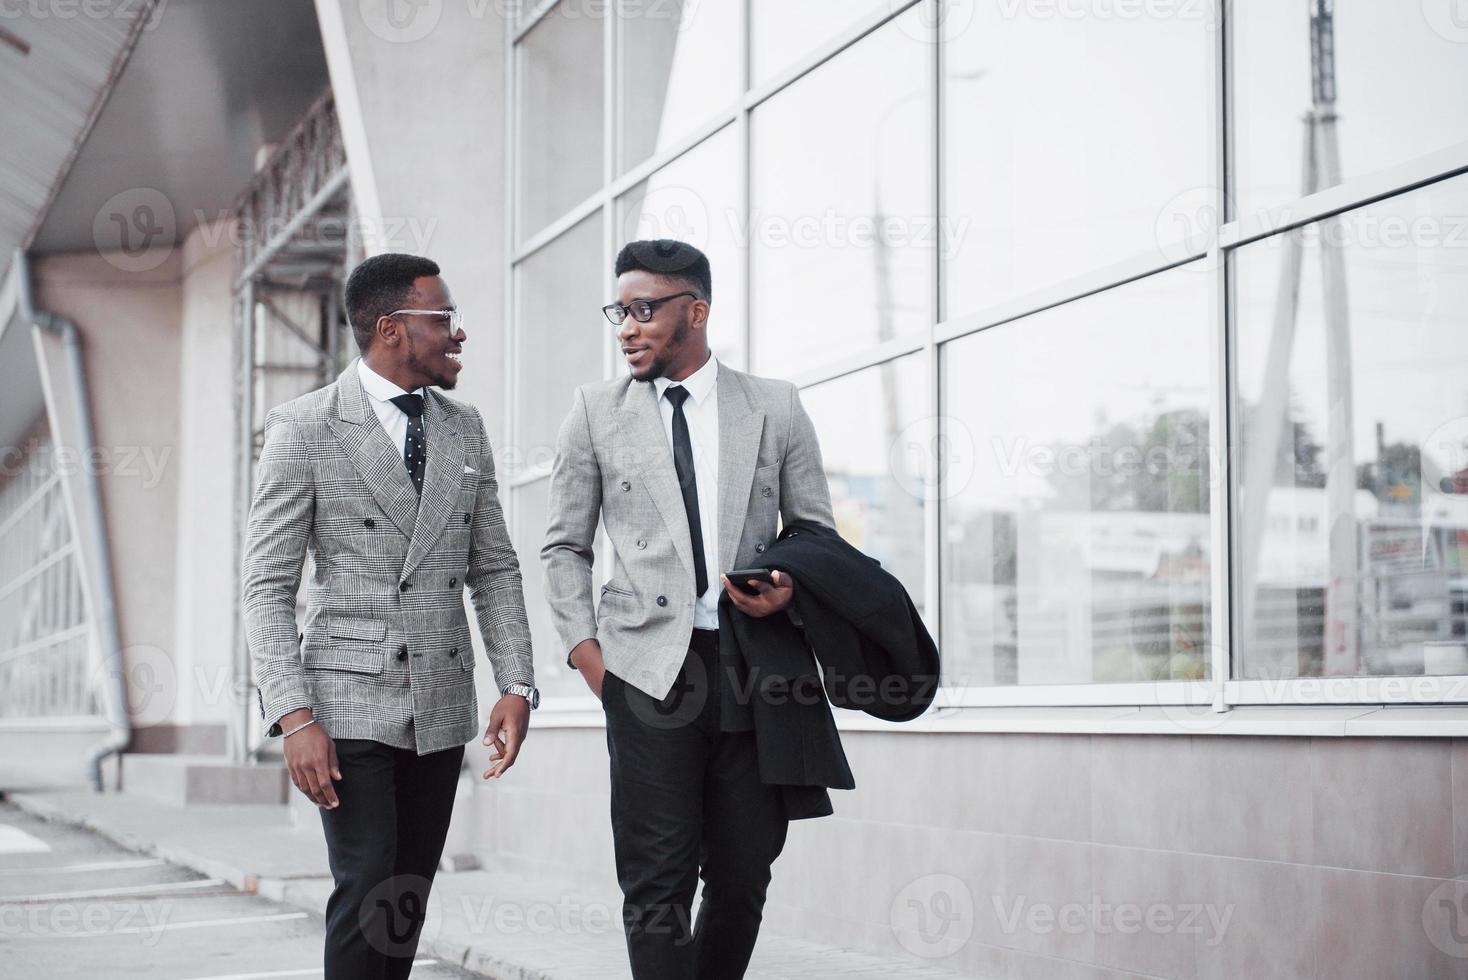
column 45, row 629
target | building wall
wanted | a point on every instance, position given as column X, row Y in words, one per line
column 1255, row 857
column 129, row 325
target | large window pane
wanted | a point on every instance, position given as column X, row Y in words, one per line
column 842, row 227
column 782, row 31
column 873, row 432
column 560, row 125
column 1399, row 71
column 1076, row 527
column 1352, row 531
column 1072, row 141
column 560, row 336
column 679, row 64
column 696, row 199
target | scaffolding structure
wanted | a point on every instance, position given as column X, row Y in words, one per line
column 295, row 240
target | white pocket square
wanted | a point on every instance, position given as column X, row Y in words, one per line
column 470, row 469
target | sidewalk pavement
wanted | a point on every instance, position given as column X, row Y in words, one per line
column 492, row 922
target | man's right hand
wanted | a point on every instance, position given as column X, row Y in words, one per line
column 310, row 755
column 586, row 657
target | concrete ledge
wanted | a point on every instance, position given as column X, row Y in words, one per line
column 187, row 779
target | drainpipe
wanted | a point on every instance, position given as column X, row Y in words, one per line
column 89, row 502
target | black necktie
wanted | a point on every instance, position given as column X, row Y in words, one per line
column 683, row 465
column 414, row 453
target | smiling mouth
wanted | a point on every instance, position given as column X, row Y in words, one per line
column 457, row 356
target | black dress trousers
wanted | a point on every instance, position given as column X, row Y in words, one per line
column 687, row 803
column 384, row 841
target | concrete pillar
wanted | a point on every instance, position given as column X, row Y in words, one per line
column 420, row 91
column 205, row 463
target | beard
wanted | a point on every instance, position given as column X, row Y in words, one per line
column 436, row 375
column 668, row 354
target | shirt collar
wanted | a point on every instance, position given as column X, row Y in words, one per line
column 379, row 387
column 699, row 383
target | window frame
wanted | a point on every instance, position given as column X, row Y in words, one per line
column 1215, row 247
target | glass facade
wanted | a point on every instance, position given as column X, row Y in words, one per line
column 1133, row 334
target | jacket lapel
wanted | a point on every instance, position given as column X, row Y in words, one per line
column 378, row 462
column 646, row 446
column 443, row 474
column 740, row 427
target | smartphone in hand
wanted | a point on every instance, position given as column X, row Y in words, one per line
column 740, row 577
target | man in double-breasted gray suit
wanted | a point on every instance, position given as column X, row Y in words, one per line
column 389, row 486
column 688, row 464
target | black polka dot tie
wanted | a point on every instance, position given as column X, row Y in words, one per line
column 415, row 449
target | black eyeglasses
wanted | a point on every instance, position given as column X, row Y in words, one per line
column 641, row 309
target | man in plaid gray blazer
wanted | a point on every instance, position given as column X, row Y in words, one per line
column 389, row 486
column 687, row 464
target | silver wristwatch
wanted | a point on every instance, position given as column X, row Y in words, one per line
column 525, row 691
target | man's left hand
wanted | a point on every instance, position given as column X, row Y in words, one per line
column 770, row 598
column 508, row 722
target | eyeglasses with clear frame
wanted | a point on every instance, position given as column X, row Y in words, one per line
column 641, row 309
column 454, row 318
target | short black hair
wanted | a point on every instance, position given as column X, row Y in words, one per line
column 670, row 259
column 380, row 285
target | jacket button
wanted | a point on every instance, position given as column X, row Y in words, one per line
column 454, row 652
column 662, row 600
column 369, row 522
column 403, row 652
column 641, row 543
column 759, row 548
column 468, row 519
column 405, row 586
column 626, row 486
column 766, row 492
column 453, row 582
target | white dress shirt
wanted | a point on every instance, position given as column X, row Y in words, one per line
column 701, row 409
column 380, row 391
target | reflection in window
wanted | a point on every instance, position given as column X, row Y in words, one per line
column 679, row 64
column 695, row 199
column 1071, row 143
column 872, row 432
column 1393, row 88
column 1076, row 525
column 842, row 230
column 560, row 138
column 1352, row 525
column 560, row 337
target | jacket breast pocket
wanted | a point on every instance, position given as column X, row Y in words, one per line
column 351, row 643
column 764, row 491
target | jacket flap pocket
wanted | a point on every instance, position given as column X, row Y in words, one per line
column 347, row 628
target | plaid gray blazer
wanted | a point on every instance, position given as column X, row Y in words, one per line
column 386, row 652
column 613, row 460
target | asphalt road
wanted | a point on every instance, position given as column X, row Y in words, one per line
column 74, row 906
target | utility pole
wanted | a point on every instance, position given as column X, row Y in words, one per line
column 1321, row 169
